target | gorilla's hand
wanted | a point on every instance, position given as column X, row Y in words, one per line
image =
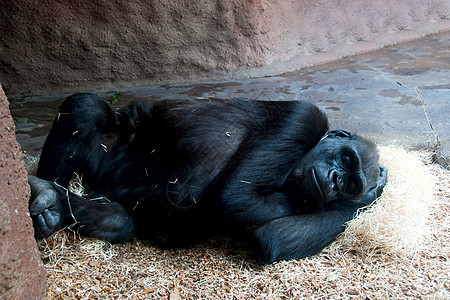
column 376, row 191
column 46, row 209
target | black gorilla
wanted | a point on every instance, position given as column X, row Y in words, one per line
column 173, row 171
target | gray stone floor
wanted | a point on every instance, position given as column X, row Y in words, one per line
column 399, row 94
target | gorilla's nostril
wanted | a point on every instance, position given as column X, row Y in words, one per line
column 334, row 180
column 337, row 182
column 340, row 183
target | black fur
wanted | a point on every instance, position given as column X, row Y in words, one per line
column 176, row 170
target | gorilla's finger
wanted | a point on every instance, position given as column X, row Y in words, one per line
column 51, row 219
column 383, row 174
column 45, row 199
column 41, row 227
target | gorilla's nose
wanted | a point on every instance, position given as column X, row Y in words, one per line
column 336, row 181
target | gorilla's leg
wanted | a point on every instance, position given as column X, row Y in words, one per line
column 53, row 207
column 82, row 133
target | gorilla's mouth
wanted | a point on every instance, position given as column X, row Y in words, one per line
column 316, row 182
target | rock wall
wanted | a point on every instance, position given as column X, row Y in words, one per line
column 71, row 46
column 22, row 274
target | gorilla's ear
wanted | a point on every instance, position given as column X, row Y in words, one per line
column 339, row 133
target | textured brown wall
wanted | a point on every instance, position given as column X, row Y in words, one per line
column 72, row 45
column 22, row 275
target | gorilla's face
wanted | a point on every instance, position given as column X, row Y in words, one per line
column 340, row 167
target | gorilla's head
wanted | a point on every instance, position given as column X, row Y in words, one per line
column 340, row 169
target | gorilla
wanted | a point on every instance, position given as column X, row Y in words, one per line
column 176, row 171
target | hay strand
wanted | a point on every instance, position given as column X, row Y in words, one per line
column 374, row 259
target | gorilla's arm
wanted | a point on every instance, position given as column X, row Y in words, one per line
column 53, row 208
column 251, row 195
column 300, row 236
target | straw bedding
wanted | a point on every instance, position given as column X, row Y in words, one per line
column 397, row 249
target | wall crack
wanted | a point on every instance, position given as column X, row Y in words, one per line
column 436, row 145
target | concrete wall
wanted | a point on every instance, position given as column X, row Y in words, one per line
column 70, row 46
column 22, row 274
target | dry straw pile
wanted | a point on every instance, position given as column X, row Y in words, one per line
column 396, row 223
column 397, row 249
